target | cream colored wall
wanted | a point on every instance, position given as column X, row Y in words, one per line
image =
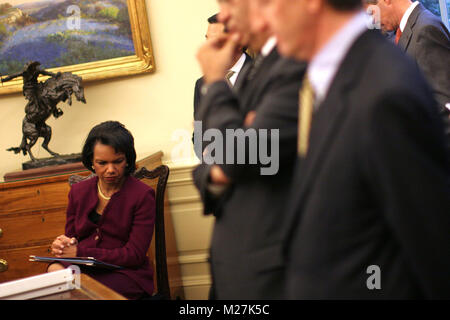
column 192, row 232
column 153, row 106
column 156, row 108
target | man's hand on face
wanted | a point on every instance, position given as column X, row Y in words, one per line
column 216, row 55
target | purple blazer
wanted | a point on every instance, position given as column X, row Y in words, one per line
column 123, row 234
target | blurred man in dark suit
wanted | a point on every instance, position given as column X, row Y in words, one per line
column 369, row 208
column 240, row 59
column 249, row 206
column 424, row 37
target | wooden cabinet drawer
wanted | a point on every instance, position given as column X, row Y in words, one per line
column 34, row 197
column 31, row 228
column 18, row 264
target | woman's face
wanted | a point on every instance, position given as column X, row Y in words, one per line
column 109, row 165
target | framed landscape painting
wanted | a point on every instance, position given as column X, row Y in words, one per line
column 93, row 39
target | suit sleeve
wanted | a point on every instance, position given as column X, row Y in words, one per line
column 219, row 107
column 211, row 203
column 197, row 96
column 433, row 57
column 276, row 118
column 133, row 253
column 410, row 176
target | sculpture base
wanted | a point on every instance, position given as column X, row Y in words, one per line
column 52, row 161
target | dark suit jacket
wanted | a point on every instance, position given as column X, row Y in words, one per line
column 374, row 186
column 246, row 243
column 199, row 84
column 427, row 40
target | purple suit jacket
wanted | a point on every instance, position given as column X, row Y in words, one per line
column 124, row 232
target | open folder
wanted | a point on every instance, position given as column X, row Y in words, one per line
column 86, row 261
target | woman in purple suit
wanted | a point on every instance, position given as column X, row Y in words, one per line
column 110, row 217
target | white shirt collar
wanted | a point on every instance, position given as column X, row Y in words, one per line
column 406, row 15
column 265, row 51
column 237, row 68
column 268, row 46
column 325, row 64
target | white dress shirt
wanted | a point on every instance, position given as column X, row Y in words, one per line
column 326, row 62
column 268, row 46
column 236, row 68
column 406, row 15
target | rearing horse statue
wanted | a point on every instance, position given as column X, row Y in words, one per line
column 43, row 98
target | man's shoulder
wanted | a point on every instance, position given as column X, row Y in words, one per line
column 378, row 49
column 428, row 30
column 279, row 67
column 384, row 63
column 82, row 188
column 137, row 186
column 289, row 66
column 426, row 19
column 199, row 82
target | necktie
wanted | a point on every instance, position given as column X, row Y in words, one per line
column 398, row 34
column 228, row 77
column 306, row 104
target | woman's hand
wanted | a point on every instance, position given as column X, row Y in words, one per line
column 64, row 247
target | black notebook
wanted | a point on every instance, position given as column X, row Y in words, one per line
column 86, row 261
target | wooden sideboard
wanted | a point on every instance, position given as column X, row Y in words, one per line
column 33, row 214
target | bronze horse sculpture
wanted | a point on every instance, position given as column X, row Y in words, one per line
column 43, row 98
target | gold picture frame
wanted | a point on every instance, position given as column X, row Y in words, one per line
column 141, row 62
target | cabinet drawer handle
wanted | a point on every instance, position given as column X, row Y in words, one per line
column 3, row 265
column 1, row 233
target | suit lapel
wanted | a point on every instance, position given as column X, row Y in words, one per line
column 253, row 89
column 405, row 38
column 324, row 128
column 243, row 73
column 328, row 119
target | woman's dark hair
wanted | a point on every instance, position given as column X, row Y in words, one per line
column 115, row 135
